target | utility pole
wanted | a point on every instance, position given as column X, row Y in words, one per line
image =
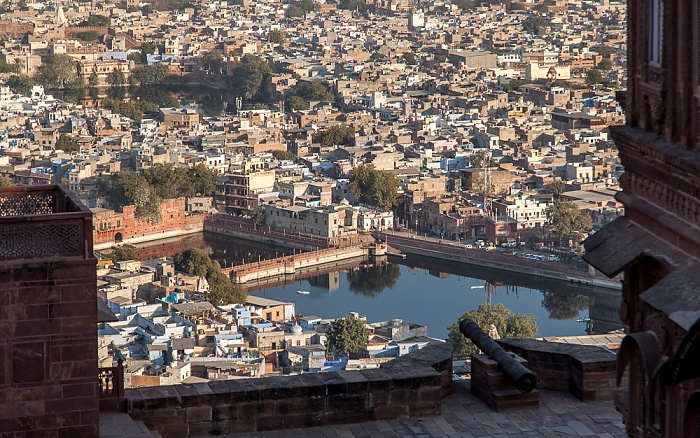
column 488, row 200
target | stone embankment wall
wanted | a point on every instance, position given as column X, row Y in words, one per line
column 411, row 386
column 435, row 249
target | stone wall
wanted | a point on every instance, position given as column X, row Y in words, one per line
column 411, row 386
column 48, row 315
column 586, row 371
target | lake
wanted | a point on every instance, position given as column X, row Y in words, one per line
column 418, row 289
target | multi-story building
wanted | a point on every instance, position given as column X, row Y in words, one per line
column 326, row 222
column 528, row 212
column 238, row 193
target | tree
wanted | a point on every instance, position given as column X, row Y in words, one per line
column 372, row 280
column 67, row 144
column 464, row 5
column 373, row 187
column 556, row 188
column 258, row 215
column 534, row 23
column 605, row 51
column 284, row 155
column 192, row 262
column 567, row 221
column 222, row 290
column 151, row 74
column 347, row 335
column 126, row 188
column 21, row 84
column 211, row 62
column 313, row 90
column 276, row 37
column 168, row 180
column 593, row 76
column 59, row 72
column 96, row 21
column 564, row 306
column 301, row 8
column 202, row 180
column 605, row 64
column 93, row 80
column 508, row 324
column 88, row 35
column 514, row 85
column 295, row 103
column 336, row 135
column 116, row 78
column 6, row 182
column 247, row 78
column 124, row 252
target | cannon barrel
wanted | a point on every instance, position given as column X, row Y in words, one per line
column 524, row 379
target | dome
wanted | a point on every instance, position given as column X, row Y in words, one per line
column 296, row 329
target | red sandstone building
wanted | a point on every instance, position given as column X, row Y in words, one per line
column 112, row 227
column 657, row 243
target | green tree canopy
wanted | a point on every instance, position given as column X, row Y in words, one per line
column 67, row 144
column 336, row 135
column 605, row 64
column 6, row 182
column 313, row 90
column 116, row 78
column 373, row 187
column 556, row 188
column 247, row 78
column 347, row 335
column 124, row 252
column 372, row 280
column 21, row 84
column 594, row 76
column 276, row 36
column 126, row 188
column 93, row 80
column 59, row 72
column 258, row 215
column 284, row 155
column 508, row 324
column 172, row 181
column 534, row 23
column 96, row 20
column 605, row 51
column 222, row 290
column 295, row 103
column 301, row 8
column 211, row 62
column 88, row 35
column 567, row 221
column 151, row 74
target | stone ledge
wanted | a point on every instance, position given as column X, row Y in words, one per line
column 411, row 386
column 585, row 371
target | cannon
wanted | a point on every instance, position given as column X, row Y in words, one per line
column 524, row 379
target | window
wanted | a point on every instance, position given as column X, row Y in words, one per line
column 655, row 34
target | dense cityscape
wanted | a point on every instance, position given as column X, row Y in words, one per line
column 223, row 151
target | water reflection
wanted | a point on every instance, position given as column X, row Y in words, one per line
column 564, row 306
column 371, row 280
column 422, row 290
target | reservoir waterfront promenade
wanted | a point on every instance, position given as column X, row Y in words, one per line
column 337, row 250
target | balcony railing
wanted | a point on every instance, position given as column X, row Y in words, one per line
column 110, row 381
column 44, row 221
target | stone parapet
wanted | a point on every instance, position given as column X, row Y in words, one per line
column 585, row 371
column 411, row 386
